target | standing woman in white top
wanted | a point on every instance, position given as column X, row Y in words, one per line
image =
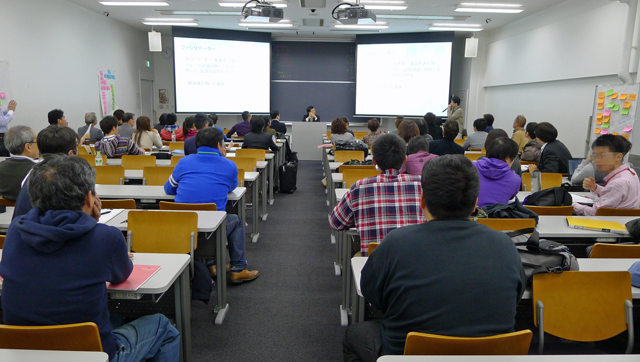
column 145, row 136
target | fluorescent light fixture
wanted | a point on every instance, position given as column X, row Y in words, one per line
column 422, row 17
column 489, row 10
column 383, row 2
column 438, row 28
column 458, row 25
column 134, row 3
column 281, row 25
column 169, row 23
column 376, row 26
column 239, row 5
column 170, row 19
column 490, row 5
column 386, row 7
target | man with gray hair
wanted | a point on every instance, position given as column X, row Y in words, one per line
column 95, row 134
column 57, row 259
column 20, row 141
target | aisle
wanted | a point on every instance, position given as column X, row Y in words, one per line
column 291, row 312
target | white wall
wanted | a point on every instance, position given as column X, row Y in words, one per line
column 546, row 67
column 55, row 48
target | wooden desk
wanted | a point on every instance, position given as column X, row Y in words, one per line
column 528, row 358
column 28, row 355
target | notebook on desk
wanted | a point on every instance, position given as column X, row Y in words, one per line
column 139, row 275
column 597, row 225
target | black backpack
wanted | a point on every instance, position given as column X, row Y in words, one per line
column 352, row 145
column 555, row 196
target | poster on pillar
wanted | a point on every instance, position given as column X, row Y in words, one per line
column 107, row 91
column 615, row 112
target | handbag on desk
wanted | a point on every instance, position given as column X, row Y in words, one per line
column 554, row 196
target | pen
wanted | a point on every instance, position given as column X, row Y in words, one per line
column 105, row 212
column 125, row 221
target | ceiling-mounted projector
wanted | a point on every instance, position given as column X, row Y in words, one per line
column 353, row 14
column 262, row 12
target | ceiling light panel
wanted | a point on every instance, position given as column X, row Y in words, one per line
column 134, row 3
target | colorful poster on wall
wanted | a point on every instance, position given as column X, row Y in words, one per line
column 107, row 92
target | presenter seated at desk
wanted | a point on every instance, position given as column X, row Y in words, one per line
column 280, row 127
column 446, row 145
column 441, row 291
column 242, row 128
column 57, row 259
column 622, row 188
column 90, row 120
column 339, row 131
column 311, row 115
column 171, row 126
column 257, row 138
column 379, row 204
column 207, row 177
column 21, row 143
column 498, row 182
column 200, row 121
column 555, row 156
column 477, row 139
column 112, row 145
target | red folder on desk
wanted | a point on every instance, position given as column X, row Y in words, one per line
column 139, row 275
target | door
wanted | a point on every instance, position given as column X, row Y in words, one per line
column 146, row 100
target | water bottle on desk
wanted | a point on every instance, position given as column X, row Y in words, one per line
column 173, row 136
column 536, row 182
column 98, row 158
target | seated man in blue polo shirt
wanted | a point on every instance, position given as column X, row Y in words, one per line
column 207, row 177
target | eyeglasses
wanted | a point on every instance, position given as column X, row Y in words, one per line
column 602, row 155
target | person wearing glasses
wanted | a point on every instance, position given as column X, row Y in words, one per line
column 622, row 187
column 21, row 143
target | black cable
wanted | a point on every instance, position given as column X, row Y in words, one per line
column 336, row 8
column 249, row 2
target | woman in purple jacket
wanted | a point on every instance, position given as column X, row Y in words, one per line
column 498, row 183
column 418, row 155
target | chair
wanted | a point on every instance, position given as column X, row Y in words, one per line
column 175, row 160
column 92, row 159
column 5, row 202
column 583, row 306
column 129, row 204
column 110, row 175
column 169, row 232
column 360, row 135
column 618, row 251
column 156, row 175
column 253, row 153
column 371, row 247
column 138, row 162
column 342, row 168
column 167, row 205
column 2, row 237
column 328, row 135
column 477, row 150
column 516, row 343
column 551, row 210
column 240, row 177
column 351, row 176
column 166, row 143
column 528, row 162
column 508, row 224
column 225, row 130
column 547, row 180
column 248, row 164
column 344, row 156
column 65, row 337
column 86, row 150
column 459, row 141
column 176, row 146
column 474, row 156
column 608, row 211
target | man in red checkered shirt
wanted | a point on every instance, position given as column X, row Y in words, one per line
column 377, row 205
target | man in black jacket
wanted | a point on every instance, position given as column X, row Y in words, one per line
column 449, row 276
column 257, row 138
column 447, row 145
column 276, row 124
column 21, row 143
column 555, row 156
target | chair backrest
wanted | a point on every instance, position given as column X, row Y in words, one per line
column 240, row 177
column 351, row 176
column 619, row 251
column 162, row 232
column 528, row 162
column 156, row 175
column 176, row 146
column 342, row 168
column 92, row 159
column 253, row 153
column 86, row 150
column 526, row 181
column 360, row 135
column 371, row 247
column 246, row 163
column 166, row 205
column 583, row 306
column 166, row 143
column 110, row 175
column 344, row 156
column 138, row 162
column 129, row 204
column 5, row 202
column 459, row 141
column 474, row 156
column 550, row 180
column 516, row 343
column 225, row 130
column 2, row 237
column 66, row 337
column 508, row 224
column 328, row 135
column 551, row 210
column 174, row 160
column 608, row 211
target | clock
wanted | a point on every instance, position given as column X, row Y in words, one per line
column 167, row 53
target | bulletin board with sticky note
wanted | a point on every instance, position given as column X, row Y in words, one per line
column 107, row 80
column 615, row 111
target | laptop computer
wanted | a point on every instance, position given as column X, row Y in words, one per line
column 573, row 165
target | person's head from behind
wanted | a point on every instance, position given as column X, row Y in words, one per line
column 417, row 144
column 257, row 124
column 267, row 122
column 489, row 119
column 118, row 113
column 399, row 120
column 389, row 152
column 62, row 182
column 210, row 137
column 422, row 126
column 519, row 122
column 430, row 118
column 54, row 139
column 187, row 124
column 143, row 123
column 345, row 120
column 213, row 119
column 163, row 118
column 450, row 187
column 608, row 152
column 373, row 124
column 21, row 141
column 480, row 125
column 201, row 121
column 407, row 130
column 493, row 135
column 455, row 101
column 450, row 130
column 338, row 126
column 546, row 132
column 129, row 118
column 530, row 131
column 91, row 118
column 503, row 149
column 275, row 114
column 246, row 116
column 171, row 119
column 56, row 118
column 109, row 125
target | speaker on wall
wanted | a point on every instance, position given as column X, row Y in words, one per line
column 471, row 48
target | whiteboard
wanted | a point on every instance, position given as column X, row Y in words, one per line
column 615, row 111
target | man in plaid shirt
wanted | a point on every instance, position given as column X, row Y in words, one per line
column 377, row 205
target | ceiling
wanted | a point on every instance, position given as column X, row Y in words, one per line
column 295, row 12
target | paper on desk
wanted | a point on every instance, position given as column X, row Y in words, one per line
column 106, row 217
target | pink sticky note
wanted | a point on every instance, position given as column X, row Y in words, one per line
column 628, row 129
column 101, row 73
column 104, row 82
column 604, row 131
column 3, row 96
column 607, row 113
